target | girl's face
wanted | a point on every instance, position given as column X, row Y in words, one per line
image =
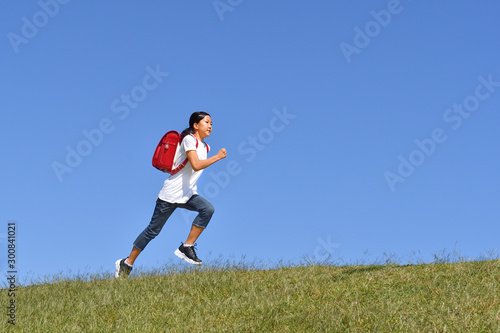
column 204, row 127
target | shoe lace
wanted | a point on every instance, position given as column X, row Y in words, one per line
column 194, row 248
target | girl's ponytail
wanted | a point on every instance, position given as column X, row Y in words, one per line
column 186, row 132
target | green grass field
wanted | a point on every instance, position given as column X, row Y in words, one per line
column 439, row 297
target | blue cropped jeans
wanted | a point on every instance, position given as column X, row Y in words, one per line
column 164, row 209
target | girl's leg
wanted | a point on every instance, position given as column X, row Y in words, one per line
column 162, row 212
column 205, row 211
column 133, row 255
column 193, row 235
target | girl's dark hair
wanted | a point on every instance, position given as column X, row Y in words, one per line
column 195, row 118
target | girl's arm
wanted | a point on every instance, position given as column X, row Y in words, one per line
column 197, row 165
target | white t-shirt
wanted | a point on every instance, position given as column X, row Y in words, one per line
column 180, row 187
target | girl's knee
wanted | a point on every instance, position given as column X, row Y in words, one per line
column 152, row 232
column 209, row 210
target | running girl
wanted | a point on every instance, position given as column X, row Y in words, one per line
column 180, row 190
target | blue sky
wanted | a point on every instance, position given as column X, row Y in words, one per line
column 353, row 129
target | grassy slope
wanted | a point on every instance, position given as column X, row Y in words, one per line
column 455, row 297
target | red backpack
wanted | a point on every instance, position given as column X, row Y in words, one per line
column 163, row 158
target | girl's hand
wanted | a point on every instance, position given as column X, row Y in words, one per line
column 222, row 153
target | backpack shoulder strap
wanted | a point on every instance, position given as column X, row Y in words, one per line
column 206, row 144
column 183, row 164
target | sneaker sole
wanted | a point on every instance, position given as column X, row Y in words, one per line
column 117, row 267
column 181, row 255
